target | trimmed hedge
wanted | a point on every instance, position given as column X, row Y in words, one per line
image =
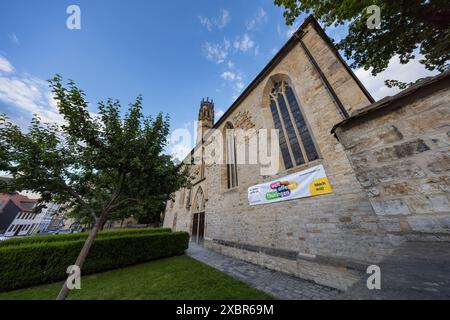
column 79, row 236
column 39, row 263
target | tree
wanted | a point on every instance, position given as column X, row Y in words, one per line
column 94, row 164
column 144, row 213
column 405, row 26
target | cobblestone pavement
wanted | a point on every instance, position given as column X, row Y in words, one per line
column 278, row 284
column 414, row 271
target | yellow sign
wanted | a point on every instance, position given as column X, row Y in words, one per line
column 320, row 186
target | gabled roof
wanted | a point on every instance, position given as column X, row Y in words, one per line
column 283, row 52
column 390, row 101
column 310, row 20
column 22, row 202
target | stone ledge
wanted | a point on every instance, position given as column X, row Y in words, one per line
column 294, row 255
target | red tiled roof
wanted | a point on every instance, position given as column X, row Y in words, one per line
column 22, row 202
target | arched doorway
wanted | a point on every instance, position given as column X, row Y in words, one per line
column 198, row 218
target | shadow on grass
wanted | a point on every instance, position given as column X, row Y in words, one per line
column 176, row 278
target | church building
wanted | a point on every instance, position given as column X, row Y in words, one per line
column 355, row 178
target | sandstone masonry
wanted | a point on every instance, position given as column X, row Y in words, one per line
column 400, row 151
column 389, row 169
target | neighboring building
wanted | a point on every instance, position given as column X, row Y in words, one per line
column 16, row 216
column 57, row 222
column 387, row 177
column 41, row 221
column 8, row 212
column 47, row 215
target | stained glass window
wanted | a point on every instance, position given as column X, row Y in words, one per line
column 231, row 156
column 296, row 143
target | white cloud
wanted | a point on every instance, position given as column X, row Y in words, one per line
column 236, row 81
column 182, row 140
column 220, row 22
column 396, row 71
column 217, row 52
column 279, row 31
column 230, row 64
column 228, row 75
column 224, row 19
column 27, row 93
column 206, row 22
column 219, row 113
column 14, row 38
column 179, row 151
column 256, row 50
column 5, row 65
column 30, row 94
column 244, row 43
column 291, row 30
column 257, row 20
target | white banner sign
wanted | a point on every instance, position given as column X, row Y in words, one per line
column 308, row 183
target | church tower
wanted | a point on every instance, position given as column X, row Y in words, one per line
column 205, row 118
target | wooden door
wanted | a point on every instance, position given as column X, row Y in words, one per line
column 194, row 234
column 201, row 227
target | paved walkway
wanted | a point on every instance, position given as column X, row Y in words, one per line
column 278, row 284
column 415, row 270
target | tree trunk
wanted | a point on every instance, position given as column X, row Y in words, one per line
column 102, row 226
column 83, row 253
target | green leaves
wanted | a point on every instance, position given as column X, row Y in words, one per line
column 36, row 262
column 95, row 163
column 405, row 26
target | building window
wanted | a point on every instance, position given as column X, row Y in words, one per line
column 232, row 181
column 11, row 228
column 174, row 223
column 182, row 197
column 188, row 201
column 202, row 170
column 296, row 144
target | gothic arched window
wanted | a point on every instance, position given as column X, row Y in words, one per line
column 182, row 197
column 231, row 156
column 199, row 201
column 296, row 143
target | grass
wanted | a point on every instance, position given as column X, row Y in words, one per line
column 176, row 278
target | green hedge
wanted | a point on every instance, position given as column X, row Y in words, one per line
column 79, row 236
column 39, row 263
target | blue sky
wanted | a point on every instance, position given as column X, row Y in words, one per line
column 174, row 53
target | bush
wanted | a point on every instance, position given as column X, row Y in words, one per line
column 79, row 236
column 45, row 262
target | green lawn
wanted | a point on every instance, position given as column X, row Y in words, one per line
column 175, row 278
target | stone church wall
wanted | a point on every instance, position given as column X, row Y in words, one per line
column 389, row 174
column 401, row 156
column 330, row 239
